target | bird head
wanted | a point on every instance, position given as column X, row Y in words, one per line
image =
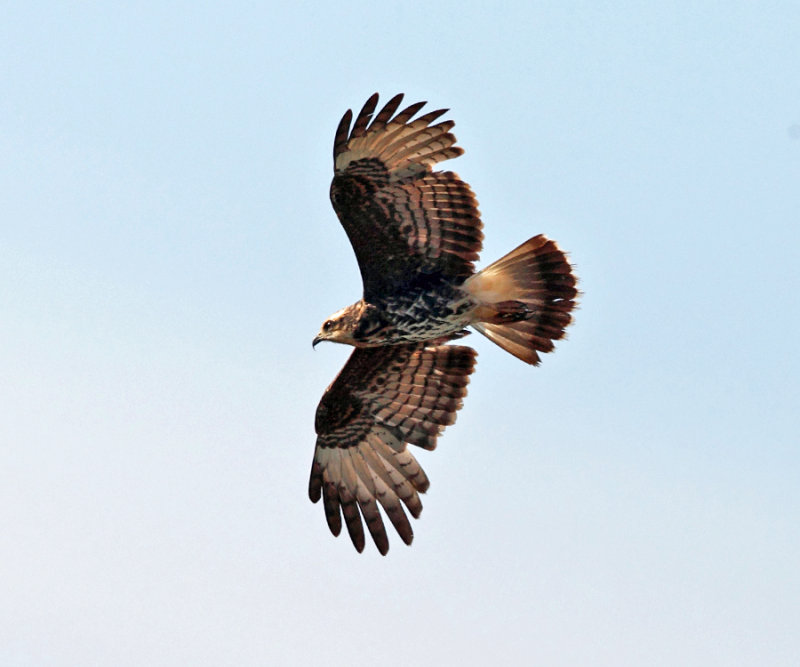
column 338, row 328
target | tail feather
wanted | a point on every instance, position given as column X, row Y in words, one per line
column 525, row 298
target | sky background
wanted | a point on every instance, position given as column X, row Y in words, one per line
column 168, row 251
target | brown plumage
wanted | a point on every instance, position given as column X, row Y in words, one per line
column 382, row 399
column 403, row 220
column 416, row 234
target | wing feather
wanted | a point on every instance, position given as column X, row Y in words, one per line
column 402, row 218
column 340, row 140
column 389, row 496
column 348, row 487
column 361, row 459
column 368, row 497
column 385, row 114
column 405, row 489
column 364, row 116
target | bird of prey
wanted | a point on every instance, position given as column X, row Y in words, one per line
column 416, row 234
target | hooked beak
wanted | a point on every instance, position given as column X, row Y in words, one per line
column 315, row 341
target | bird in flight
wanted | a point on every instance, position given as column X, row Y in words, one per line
column 416, row 234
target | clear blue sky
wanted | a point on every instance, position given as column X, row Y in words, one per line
column 168, row 251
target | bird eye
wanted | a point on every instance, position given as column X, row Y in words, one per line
column 327, row 326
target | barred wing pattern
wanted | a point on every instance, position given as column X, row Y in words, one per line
column 403, row 220
column 383, row 399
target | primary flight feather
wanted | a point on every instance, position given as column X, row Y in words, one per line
column 416, row 234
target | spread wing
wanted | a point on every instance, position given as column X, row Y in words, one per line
column 403, row 220
column 383, row 398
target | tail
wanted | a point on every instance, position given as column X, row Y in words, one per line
column 525, row 298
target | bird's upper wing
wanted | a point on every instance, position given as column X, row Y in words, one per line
column 403, row 219
column 384, row 398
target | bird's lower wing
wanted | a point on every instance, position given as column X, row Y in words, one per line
column 383, row 399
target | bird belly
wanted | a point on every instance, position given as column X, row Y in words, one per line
column 429, row 316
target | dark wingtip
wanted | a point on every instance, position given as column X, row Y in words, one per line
column 342, row 132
